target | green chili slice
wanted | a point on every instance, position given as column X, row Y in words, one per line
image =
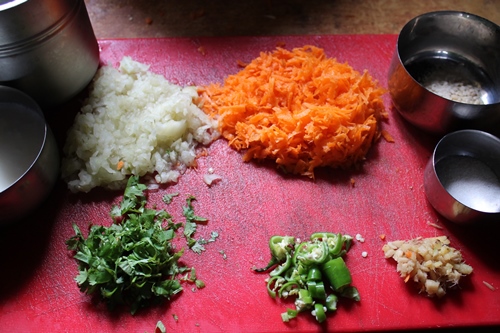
column 314, row 274
column 317, row 290
column 322, row 236
column 335, row 242
column 270, row 264
column 281, row 246
column 305, row 297
column 337, row 245
column 331, row 302
column 289, row 314
column 310, row 253
column 271, row 285
column 279, row 270
column 319, row 312
column 287, row 287
column 351, row 292
column 301, row 248
column 337, row 273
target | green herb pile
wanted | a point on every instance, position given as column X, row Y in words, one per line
column 133, row 262
column 312, row 271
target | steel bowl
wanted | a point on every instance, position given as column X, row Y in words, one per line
column 29, row 156
column 462, row 178
column 47, row 48
column 441, row 52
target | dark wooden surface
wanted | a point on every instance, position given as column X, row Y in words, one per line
column 188, row 18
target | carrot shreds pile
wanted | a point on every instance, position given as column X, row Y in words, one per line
column 299, row 108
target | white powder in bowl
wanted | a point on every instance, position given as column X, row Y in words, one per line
column 453, row 87
column 134, row 122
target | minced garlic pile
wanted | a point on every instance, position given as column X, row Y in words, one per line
column 430, row 262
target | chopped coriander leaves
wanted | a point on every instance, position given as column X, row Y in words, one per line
column 199, row 284
column 167, row 198
column 198, row 245
column 133, row 262
column 192, row 221
column 223, row 253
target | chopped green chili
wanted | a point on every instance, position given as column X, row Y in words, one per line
column 319, row 312
column 331, row 302
column 280, row 269
column 271, row 283
column 286, row 288
column 280, row 247
column 337, row 273
column 305, row 297
column 289, row 314
column 314, row 274
column 350, row 292
column 311, row 253
column 317, row 290
column 312, row 271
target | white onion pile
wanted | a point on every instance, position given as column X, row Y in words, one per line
column 134, row 122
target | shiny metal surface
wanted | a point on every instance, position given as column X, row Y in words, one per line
column 29, row 156
column 462, row 178
column 461, row 42
column 47, row 48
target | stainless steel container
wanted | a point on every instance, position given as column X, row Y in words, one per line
column 448, row 46
column 462, row 178
column 29, row 156
column 47, row 48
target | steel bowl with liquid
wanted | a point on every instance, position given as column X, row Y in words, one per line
column 445, row 73
column 462, row 178
column 47, row 48
column 29, row 156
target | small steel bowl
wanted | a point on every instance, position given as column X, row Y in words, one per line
column 445, row 74
column 462, row 178
column 29, row 156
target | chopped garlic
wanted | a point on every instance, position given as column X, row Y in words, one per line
column 430, row 262
column 360, row 238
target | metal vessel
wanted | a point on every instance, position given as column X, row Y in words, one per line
column 47, row 48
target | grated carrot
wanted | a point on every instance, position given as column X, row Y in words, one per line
column 281, row 44
column 298, row 108
column 202, row 50
column 387, row 136
column 241, row 63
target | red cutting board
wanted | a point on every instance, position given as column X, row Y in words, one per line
column 251, row 203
